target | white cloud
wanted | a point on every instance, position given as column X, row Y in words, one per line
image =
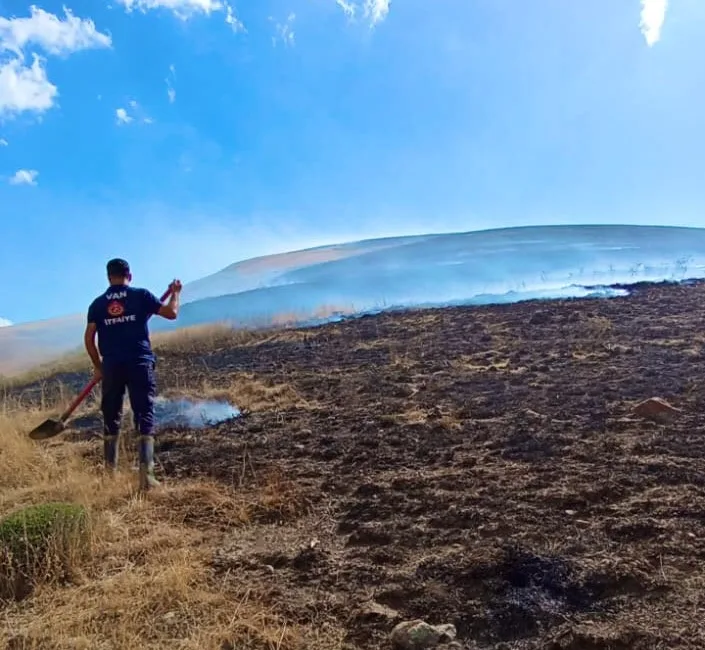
column 5, row 323
column 377, row 10
column 3, row 142
column 122, row 117
column 53, row 34
column 25, row 177
column 170, row 91
column 347, row 7
column 285, row 31
column 373, row 10
column 186, row 9
column 25, row 88
column 653, row 16
column 233, row 20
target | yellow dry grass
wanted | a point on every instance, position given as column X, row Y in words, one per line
column 188, row 340
column 73, row 362
column 147, row 582
column 448, row 421
column 207, row 337
column 247, row 391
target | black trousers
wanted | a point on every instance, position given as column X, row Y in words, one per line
column 138, row 379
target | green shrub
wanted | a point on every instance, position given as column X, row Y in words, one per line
column 41, row 543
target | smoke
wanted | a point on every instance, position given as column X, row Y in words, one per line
column 194, row 414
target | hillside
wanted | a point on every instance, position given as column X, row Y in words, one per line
column 467, row 268
column 475, row 466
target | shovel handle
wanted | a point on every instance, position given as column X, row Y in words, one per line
column 94, row 382
column 81, row 396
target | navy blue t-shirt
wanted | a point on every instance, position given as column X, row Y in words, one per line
column 121, row 315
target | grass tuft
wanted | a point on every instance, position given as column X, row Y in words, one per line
column 41, row 544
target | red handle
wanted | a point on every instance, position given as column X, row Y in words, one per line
column 81, row 396
column 94, row 382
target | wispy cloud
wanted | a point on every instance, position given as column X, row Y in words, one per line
column 183, row 8
column 653, row 16
column 58, row 36
column 25, row 86
column 3, row 142
column 285, row 31
column 347, row 7
column 375, row 11
column 24, row 177
column 5, row 323
column 233, row 20
column 171, row 77
column 121, row 116
column 187, row 9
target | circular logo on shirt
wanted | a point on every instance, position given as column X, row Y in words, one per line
column 116, row 309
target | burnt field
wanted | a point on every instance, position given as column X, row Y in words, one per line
column 476, row 466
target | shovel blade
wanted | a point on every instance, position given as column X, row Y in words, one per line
column 47, row 429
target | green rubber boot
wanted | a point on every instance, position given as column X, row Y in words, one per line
column 110, row 452
column 147, row 480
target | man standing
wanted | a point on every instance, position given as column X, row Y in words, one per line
column 120, row 318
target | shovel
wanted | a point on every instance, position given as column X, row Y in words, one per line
column 51, row 427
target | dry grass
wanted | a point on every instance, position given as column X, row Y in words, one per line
column 198, row 339
column 212, row 337
column 74, row 362
column 167, row 601
column 147, row 581
column 246, row 390
column 468, row 363
column 447, row 421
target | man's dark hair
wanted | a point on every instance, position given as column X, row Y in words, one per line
column 118, row 268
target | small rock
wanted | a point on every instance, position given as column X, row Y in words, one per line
column 419, row 635
column 655, row 409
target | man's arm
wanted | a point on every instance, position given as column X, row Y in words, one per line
column 91, row 348
column 170, row 311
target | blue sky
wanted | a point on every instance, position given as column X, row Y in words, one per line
column 187, row 134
